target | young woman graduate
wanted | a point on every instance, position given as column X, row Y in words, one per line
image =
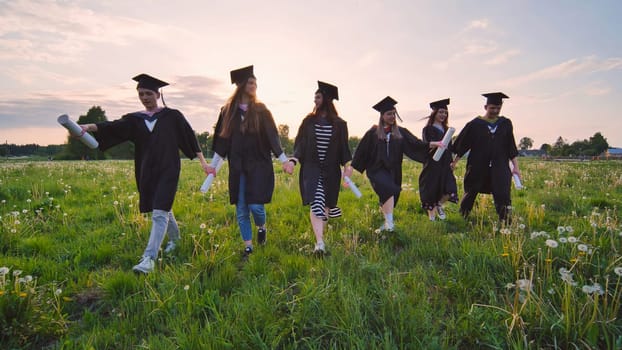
column 491, row 141
column 158, row 134
column 246, row 135
column 321, row 147
column 437, row 183
column 380, row 154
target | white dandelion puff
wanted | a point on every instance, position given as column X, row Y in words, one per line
column 4, row 270
column 551, row 243
column 202, row 226
column 58, row 292
column 524, row 284
column 572, row 239
column 561, row 229
column 563, row 240
column 582, row 248
column 186, row 287
column 521, row 226
column 617, row 270
column 569, row 229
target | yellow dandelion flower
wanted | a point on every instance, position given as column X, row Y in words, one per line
column 23, row 294
column 505, row 254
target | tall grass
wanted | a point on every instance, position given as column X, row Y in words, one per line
column 551, row 279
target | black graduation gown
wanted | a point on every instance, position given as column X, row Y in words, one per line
column 156, row 157
column 384, row 168
column 488, row 169
column 436, row 179
column 337, row 155
column 249, row 154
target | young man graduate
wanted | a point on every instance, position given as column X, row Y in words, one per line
column 158, row 133
column 491, row 141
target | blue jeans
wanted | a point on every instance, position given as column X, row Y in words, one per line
column 243, row 211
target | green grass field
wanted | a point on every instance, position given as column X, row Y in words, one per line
column 70, row 233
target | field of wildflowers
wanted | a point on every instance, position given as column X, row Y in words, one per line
column 71, row 231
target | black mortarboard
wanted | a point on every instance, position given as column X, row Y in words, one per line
column 146, row 81
column 240, row 76
column 386, row 104
column 495, row 98
column 329, row 91
column 439, row 104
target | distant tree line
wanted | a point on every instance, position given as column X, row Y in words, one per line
column 74, row 149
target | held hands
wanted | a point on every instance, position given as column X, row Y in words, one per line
column 209, row 169
column 347, row 171
column 288, row 167
column 437, row 144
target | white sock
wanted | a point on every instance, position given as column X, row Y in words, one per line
column 389, row 219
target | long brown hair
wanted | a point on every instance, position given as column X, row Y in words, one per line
column 395, row 130
column 327, row 107
column 432, row 117
column 251, row 118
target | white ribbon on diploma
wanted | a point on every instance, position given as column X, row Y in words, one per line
column 76, row 131
column 352, row 186
column 216, row 164
column 446, row 139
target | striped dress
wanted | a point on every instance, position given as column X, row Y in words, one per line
column 323, row 133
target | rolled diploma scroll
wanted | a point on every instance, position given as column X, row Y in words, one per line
column 446, row 139
column 216, row 163
column 517, row 183
column 76, row 131
column 352, row 186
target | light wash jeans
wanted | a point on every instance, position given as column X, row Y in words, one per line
column 243, row 211
column 162, row 222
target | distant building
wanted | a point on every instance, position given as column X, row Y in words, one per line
column 531, row 153
column 612, row 153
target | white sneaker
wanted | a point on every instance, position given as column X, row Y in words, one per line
column 441, row 213
column 387, row 227
column 145, row 265
column 319, row 247
column 170, row 246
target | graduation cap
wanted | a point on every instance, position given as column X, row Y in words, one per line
column 386, row 104
column 439, row 104
column 146, row 81
column 329, row 91
column 495, row 98
column 240, row 76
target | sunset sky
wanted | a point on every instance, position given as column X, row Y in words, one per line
column 559, row 61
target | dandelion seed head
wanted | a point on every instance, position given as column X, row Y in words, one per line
column 563, row 240
column 24, row 211
column 186, row 287
column 28, row 200
column 115, row 202
column 582, row 248
column 210, row 231
column 587, row 289
column 618, row 271
column 3, row 201
column 572, row 239
column 64, row 214
column 4, row 270
column 551, row 243
column 28, row 278
column 17, row 273
column 561, row 229
column 524, row 284
column 551, row 291
column 521, row 226
column 569, row 229
column 58, row 292
column 202, row 226
column 510, row 285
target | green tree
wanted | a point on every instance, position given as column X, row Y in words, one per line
column 598, row 143
column 525, row 143
column 546, row 148
column 353, row 141
column 205, row 141
column 286, row 142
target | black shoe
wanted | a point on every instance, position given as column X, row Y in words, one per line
column 261, row 236
column 248, row 251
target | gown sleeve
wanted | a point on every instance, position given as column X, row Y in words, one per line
column 462, row 143
column 300, row 141
column 414, row 148
column 112, row 133
column 363, row 151
column 186, row 137
column 346, row 154
column 220, row 145
column 512, row 150
column 271, row 132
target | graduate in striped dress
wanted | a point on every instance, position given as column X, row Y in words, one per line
column 380, row 154
column 321, row 148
